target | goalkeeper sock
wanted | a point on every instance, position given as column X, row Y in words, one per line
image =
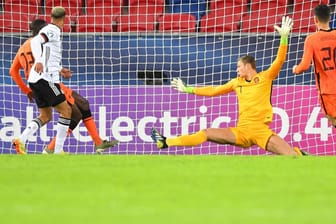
column 92, row 129
column 188, row 140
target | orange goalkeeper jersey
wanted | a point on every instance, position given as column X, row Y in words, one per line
column 320, row 47
column 254, row 97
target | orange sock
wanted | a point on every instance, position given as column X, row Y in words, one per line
column 51, row 145
column 188, row 140
column 92, row 129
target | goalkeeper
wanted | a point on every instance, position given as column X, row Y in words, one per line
column 80, row 105
column 255, row 110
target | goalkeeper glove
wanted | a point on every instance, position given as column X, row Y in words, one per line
column 286, row 26
column 179, row 85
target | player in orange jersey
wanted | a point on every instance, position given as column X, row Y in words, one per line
column 320, row 48
column 80, row 106
column 255, row 110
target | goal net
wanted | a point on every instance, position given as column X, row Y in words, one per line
column 123, row 55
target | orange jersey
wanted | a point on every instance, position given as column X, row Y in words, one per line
column 24, row 60
column 320, row 47
column 254, row 97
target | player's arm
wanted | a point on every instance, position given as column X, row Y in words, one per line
column 36, row 47
column 284, row 30
column 14, row 71
column 307, row 58
column 179, row 85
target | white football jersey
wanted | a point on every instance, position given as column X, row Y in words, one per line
column 51, row 56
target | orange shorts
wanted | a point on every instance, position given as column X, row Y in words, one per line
column 68, row 94
column 328, row 104
column 252, row 135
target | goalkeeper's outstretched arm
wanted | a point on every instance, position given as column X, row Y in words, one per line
column 180, row 86
column 284, row 30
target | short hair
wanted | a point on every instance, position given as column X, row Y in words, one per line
column 322, row 12
column 36, row 25
column 247, row 59
column 58, row 12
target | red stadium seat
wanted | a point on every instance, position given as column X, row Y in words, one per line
column 224, row 16
column 94, row 23
column 104, row 7
column 177, row 22
column 67, row 23
column 136, row 23
column 29, row 7
column 303, row 15
column 14, row 22
column 219, row 23
column 223, row 4
column 146, row 7
column 72, row 7
column 263, row 16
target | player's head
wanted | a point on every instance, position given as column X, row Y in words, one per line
column 57, row 16
column 322, row 13
column 246, row 64
column 36, row 25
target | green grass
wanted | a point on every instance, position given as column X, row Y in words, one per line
column 167, row 189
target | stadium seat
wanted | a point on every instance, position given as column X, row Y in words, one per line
column 263, row 16
column 303, row 15
column 177, row 22
column 219, row 23
column 72, row 7
column 29, row 7
column 14, row 22
column 136, row 23
column 195, row 7
column 94, row 23
column 224, row 16
column 104, row 7
column 220, row 5
column 67, row 24
column 146, row 7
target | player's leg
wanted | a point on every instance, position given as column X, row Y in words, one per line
column 332, row 120
column 54, row 96
column 76, row 116
column 221, row 135
column 44, row 117
column 90, row 124
column 217, row 135
column 63, row 124
column 19, row 143
column 328, row 105
column 279, row 146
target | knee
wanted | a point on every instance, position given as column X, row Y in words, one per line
column 84, row 104
column 45, row 117
column 65, row 111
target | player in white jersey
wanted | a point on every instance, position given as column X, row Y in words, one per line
column 44, row 79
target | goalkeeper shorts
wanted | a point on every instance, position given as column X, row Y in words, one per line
column 246, row 136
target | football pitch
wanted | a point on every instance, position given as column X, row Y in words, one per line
column 167, row 189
